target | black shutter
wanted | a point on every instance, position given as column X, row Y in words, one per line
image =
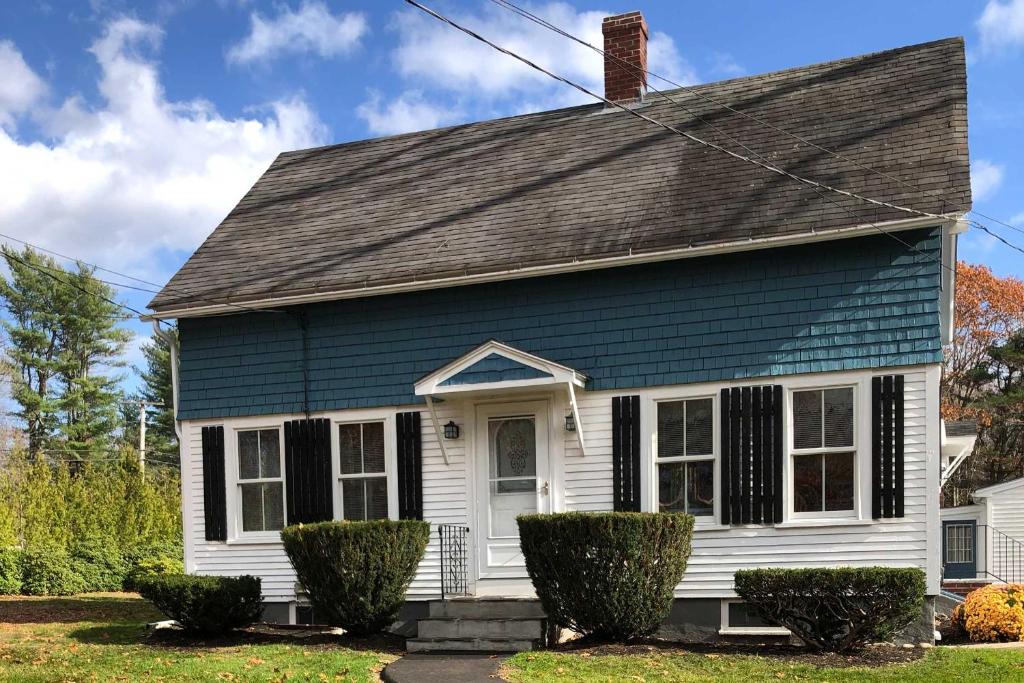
column 887, row 446
column 626, row 453
column 751, row 457
column 307, row 465
column 410, row 466
column 215, row 511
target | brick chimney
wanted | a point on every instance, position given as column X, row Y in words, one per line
column 625, row 39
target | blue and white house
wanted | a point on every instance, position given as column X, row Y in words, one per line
column 578, row 310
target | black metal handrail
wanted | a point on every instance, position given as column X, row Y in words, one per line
column 454, row 551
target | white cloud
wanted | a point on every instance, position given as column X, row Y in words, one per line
column 724, row 65
column 431, row 52
column 986, row 177
column 408, row 112
column 309, row 29
column 20, row 87
column 139, row 175
column 1001, row 25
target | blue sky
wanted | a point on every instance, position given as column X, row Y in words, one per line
column 129, row 129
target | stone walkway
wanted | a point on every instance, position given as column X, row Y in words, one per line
column 450, row 668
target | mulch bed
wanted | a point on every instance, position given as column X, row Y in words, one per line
column 267, row 634
column 873, row 656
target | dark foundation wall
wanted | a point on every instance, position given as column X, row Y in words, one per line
column 841, row 305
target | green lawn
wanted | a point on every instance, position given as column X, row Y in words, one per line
column 101, row 638
column 940, row 665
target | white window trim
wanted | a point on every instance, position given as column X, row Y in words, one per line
column 858, row 458
column 727, row 630
column 233, row 496
column 649, row 452
column 390, row 457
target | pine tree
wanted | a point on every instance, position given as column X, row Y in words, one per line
column 33, row 326
column 91, row 342
column 157, row 391
column 63, row 338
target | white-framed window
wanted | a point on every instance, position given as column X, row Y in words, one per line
column 823, row 452
column 260, row 481
column 362, row 470
column 739, row 618
column 685, row 456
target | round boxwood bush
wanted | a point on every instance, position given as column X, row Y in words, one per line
column 48, row 570
column 100, row 564
column 606, row 575
column 206, row 605
column 836, row 609
column 356, row 573
column 993, row 613
column 10, row 571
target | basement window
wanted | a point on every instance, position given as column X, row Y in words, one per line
column 739, row 618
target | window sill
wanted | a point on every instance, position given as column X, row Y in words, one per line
column 766, row 631
column 254, row 540
column 810, row 523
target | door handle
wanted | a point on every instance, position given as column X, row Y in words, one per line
column 543, row 489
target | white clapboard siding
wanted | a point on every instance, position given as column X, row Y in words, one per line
column 1006, row 512
column 717, row 551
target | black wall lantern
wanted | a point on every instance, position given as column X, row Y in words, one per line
column 451, row 430
column 570, row 423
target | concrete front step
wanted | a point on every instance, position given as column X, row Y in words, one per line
column 468, row 645
column 487, row 608
column 514, row 628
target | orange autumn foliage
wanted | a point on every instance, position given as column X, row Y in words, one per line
column 987, row 310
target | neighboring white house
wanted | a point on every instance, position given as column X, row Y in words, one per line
column 985, row 541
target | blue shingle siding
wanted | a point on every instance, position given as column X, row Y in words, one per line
column 843, row 305
column 494, row 368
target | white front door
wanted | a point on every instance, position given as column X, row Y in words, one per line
column 512, row 479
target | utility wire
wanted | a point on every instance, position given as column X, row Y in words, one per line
column 512, row 7
column 762, row 164
column 177, row 289
column 634, row 70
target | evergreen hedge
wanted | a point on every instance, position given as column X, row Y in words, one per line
column 206, row 605
column 10, row 571
column 49, row 570
column 99, row 563
column 356, row 573
column 606, row 575
column 836, row 609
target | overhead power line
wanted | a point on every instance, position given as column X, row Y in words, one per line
column 175, row 289
column 689, row 136
column 512, row 7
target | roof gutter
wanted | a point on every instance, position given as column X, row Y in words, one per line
column 569, row 267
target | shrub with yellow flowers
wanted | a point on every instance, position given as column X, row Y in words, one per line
column 993, row 613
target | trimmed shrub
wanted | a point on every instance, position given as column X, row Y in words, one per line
column 606, row 575
column 356, row 573
column 10, row 571
column 48, row 570
column 150, row 569
column 206, row 605
column 836, row 609
column 992, row 614
column 100, row 564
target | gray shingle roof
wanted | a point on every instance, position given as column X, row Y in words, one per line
column 961, row 428
column 585, row 183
